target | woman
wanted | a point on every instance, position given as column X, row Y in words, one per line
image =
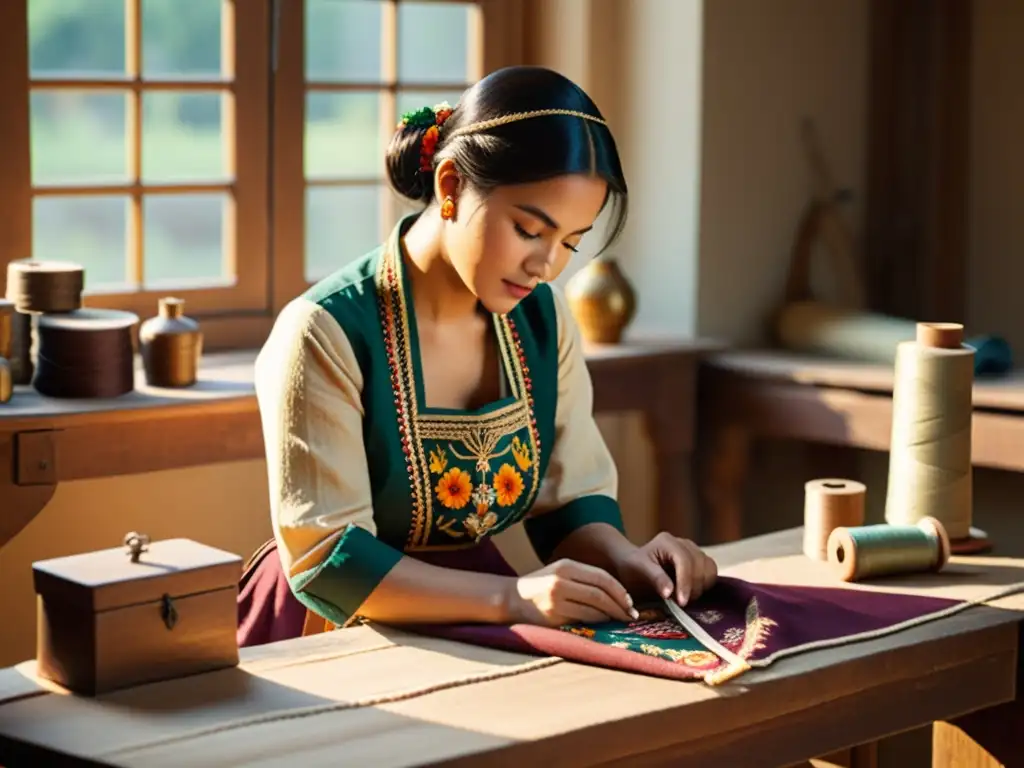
column 434, row 393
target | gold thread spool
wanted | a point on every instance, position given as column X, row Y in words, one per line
column 6, row 329
column 45, row 286
column 830, row 503
column 930, row 468
column 871, row 551
column 6, row 381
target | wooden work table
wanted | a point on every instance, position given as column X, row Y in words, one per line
column 44, row 442
column 749, row 395
column 364, row 696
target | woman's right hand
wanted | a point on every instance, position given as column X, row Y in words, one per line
column 568, row 592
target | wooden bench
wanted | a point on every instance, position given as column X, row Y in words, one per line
column 744, row 396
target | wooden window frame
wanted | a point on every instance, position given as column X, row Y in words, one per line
column 269, row 177
column 245, row 127
column 495, row 29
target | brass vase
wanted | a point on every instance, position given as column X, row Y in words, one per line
column 171, row 346
column 602, row 300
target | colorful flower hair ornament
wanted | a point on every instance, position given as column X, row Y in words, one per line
column 432, row 119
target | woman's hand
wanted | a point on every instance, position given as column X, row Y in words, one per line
column 671, row 566
column 566, row 592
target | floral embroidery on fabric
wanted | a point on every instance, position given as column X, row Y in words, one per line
column 758, row 628
column 709, row 617
column 454, row 489
column 508, row 485
column 479, row 471
column 654, row 633
column 657, row 633
column 521, row 453
column 661, row 630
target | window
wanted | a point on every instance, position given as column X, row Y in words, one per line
column 227, row 151
column 147, row 147
column 348, row 70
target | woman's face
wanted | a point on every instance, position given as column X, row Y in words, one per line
column 505, row 243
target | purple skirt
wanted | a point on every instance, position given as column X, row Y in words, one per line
column 737, row 625
column 268, row 611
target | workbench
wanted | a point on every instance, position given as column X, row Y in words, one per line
column 383, row 697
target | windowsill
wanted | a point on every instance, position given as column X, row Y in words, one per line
column 226, row 385
column 225, row 382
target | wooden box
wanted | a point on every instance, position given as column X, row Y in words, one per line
column 145, row 612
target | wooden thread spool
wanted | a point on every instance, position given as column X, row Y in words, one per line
column 88, row 353
column 930, row 467
column 871, row 551
column 829, row 504
column 45, row 286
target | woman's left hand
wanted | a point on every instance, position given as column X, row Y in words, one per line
column 666, row 556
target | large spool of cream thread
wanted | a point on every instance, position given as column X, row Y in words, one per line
column 88, row 353
column 930, row 472
column 873, row 551
column 829, row 504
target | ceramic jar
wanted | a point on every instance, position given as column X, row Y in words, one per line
column 602, row 300
column 171, row 346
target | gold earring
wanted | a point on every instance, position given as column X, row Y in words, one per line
column 448, row 209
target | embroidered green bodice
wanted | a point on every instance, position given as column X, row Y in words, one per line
column 362, row 470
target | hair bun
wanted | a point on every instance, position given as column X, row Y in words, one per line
column 411, row 151
column 403, row 164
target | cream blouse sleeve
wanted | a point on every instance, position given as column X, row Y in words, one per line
column 581, row 482
column 308, row 386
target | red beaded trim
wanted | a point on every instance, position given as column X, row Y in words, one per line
column 394, row 336
column 528, row 385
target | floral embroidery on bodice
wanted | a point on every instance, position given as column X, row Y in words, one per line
column 471, row 473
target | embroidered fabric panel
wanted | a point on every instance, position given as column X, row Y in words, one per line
column 735, row 627
column 470, row 474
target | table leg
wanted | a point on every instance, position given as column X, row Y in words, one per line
column 986, row 739
column 672, row 465
column 723, row 463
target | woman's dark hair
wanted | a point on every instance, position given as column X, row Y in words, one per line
column 518, row 152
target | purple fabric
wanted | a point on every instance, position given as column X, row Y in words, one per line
column 749, row 620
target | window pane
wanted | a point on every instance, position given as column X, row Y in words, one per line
column 184, row 239
column 76, row 39
column 182, row 137
column 412, row 100
column 343, row 40
column 342, row 224
column 91, row 231
column 343, row 136
column 433, row 42
column 78, row 137
column 181, row 39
